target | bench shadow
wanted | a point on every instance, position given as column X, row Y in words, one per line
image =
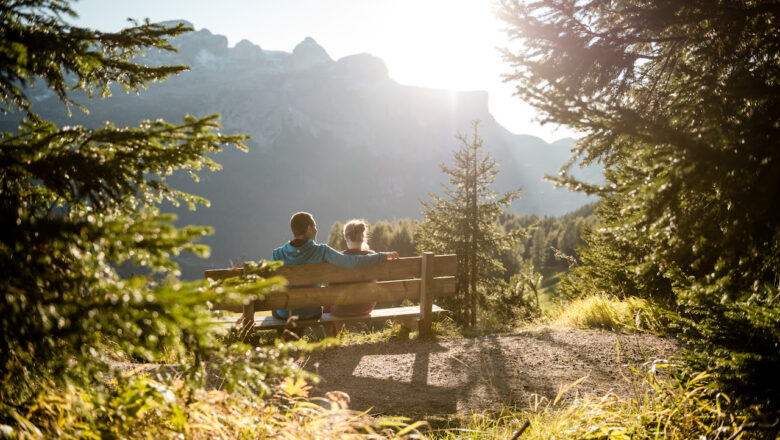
column 507, row 383
column 483, row 377
column 390, row 395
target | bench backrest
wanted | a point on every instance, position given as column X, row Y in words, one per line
column 417, row 278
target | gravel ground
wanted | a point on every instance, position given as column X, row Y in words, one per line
column 464, row 375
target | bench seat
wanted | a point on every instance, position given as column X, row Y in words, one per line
column 411, row 278
column 408, row 314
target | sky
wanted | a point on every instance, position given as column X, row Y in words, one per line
column 447, row 44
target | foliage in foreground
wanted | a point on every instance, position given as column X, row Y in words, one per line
column 679, row 101
column 680, row 408
column 143, row 408
column 78, row 209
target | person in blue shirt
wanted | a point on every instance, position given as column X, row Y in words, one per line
column 304, row 250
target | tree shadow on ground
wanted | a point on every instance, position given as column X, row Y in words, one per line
column 426, row 377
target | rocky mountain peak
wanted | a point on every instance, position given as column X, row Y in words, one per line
column 246, row 50
column 363, row 66
column 308, row 54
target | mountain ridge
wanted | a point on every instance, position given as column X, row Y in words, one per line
column 338, row 138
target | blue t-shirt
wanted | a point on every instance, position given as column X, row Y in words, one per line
column 299, row 251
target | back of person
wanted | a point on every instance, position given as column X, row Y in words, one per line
column 304, row 250
column 346, row 310
column 356, row 237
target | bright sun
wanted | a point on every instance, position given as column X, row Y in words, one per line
column 445, row 44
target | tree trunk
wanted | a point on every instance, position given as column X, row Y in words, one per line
column 474, row 232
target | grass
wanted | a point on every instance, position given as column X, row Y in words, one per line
column 661, row 408
column 366, row 335
column 605, row 312
column 363, row 333
column 547, row 294
column 678, row 405
column 668, row 406
column 592, row 312
column 146, row 409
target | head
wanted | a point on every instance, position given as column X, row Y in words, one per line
column 356, row 234
column 303, row 225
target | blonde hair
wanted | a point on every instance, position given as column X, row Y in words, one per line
column 356, row 231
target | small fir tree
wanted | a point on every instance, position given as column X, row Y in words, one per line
column 464, row 222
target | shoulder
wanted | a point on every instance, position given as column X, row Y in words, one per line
column 322, row 247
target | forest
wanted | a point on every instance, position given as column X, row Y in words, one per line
column 544, row 236
column 653, row 312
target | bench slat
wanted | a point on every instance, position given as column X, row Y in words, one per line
column 308, row 274
column 346, row 294
column 269, row 322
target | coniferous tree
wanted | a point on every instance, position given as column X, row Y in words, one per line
column 379, row 235
column 464, row 222
column 75, row 204
column 402, row 237
column 564, row 233
column 336, row 237
column 520, row 299
column 680, row 101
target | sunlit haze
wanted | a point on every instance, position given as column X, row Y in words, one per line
column 433, row 43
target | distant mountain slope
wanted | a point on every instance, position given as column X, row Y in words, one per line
column 338, row 138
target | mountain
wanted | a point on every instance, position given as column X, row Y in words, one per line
column 337, row 138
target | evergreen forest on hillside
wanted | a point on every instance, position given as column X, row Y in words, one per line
column 652, row 312
column 544, row 237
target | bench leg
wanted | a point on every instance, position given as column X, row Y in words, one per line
column 424, row 328
column 408, row 325
column 248, row 319
column 426, row 295
column 334, row 329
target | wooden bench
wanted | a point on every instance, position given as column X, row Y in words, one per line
column 415, row 278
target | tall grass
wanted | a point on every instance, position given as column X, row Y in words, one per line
column 147, row 409
column 661, row 408
column 610, row 313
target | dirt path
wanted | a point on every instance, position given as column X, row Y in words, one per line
column 464, row 375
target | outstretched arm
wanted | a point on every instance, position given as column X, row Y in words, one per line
column 332, row 256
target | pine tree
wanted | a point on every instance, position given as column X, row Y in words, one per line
column 336, row 237
column 379, row 236
column 465, row 222
column 402, row 239
column 680, row 101
column 75, row 205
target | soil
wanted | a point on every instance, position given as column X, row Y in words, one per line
column 466, row 375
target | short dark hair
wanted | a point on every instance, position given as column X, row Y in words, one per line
column 300, row 222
